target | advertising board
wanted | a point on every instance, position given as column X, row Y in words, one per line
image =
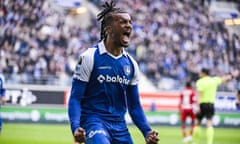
column 59, row 115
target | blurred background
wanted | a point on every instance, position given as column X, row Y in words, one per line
column 41, row 40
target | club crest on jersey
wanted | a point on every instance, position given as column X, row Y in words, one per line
column 127, row 70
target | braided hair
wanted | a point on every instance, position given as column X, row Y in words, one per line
column 105, row 16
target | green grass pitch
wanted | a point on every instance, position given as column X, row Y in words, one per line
column 60, row 134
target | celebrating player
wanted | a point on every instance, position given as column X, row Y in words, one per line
column 207, row 88
column 105, row 85
column 186, row 109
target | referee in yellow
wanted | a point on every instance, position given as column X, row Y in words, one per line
column 207, row 89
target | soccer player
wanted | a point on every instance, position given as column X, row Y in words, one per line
column 2, row 99
column 207, row 88
column 105, row 85
column 186, row 109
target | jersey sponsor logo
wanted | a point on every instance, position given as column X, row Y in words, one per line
column 113, row 79
column 92, row 133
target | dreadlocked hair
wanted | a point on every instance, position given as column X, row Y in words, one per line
column 105, row 16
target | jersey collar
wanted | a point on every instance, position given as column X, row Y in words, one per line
column 102, row 49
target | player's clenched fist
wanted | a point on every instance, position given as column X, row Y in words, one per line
column 152, row 137
column 80, row 135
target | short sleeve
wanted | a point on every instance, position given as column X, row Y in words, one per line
column 136, row 75
column 217, row 80
column 84, row 66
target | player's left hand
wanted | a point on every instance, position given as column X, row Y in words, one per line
column 152, row 137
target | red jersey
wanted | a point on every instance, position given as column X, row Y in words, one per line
column 187, row 98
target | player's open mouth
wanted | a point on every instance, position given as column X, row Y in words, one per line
column 126, row 35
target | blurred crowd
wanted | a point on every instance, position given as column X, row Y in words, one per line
column 172, row 39
column 37, row 46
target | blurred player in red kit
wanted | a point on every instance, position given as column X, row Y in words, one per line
column 186, row 109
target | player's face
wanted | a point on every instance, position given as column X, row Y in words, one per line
column 121, row 29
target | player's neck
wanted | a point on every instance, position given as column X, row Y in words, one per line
column 112, row 48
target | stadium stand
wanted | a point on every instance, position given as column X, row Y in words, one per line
column 172, row 41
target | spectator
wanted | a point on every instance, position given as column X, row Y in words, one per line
column 175, row 44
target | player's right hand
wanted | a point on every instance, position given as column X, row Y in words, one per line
column 80, row 135
column 152, row 137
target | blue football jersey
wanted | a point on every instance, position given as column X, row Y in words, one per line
column 108, row 77
column 2, row 89
column 1, row 85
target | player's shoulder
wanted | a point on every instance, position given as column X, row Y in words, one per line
column 87, row 55
column 89, row 51
column 216, row 78
column 198, row 81
column 131, row 58
column 203, row 80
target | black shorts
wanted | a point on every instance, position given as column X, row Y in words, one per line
column 206, row 110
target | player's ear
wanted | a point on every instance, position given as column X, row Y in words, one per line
column 108, row 30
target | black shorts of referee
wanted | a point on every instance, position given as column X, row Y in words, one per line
column 206, row 110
